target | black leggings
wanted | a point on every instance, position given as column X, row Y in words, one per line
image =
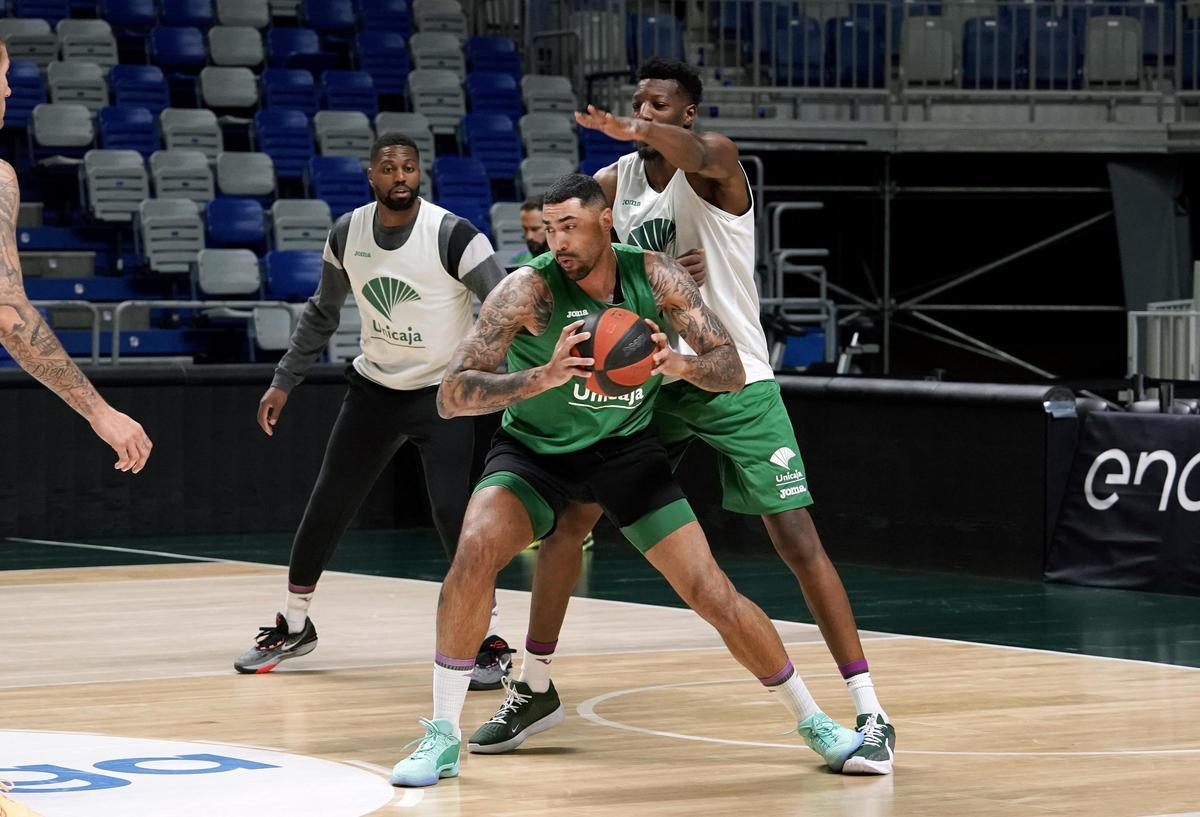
column 372, row 425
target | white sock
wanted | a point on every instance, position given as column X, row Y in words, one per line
column 450, row 690
column 862, row 689
column 494, row 624
column 535, row 670
column 794, row 695
column 297, row 610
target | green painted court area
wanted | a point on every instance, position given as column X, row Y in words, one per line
column 1114, row 623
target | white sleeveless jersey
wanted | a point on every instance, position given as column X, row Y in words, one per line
column 678, row 220
column 414, row 312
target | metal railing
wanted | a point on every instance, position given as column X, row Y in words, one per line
column 1169, row 348
column 240, row 306
column 978, row 46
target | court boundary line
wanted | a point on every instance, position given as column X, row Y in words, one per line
column 1013, row 647
column 587, row 711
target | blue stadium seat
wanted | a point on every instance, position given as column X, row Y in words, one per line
column 329, row 17
column 290, row 88
column 797, row 58
column 854, row 53
column 294, row 48
column 198, row 13
column 1058, row 55
column 178, row 48
column 386, row 15
column 235, row 221
column 493, row 54
column 602, row 147
column 1158, row 29
column 1188, row 67
column 471, row 209
column 349, row 91
column 126, row 127
column 136, row 14
column 384, row 55
column 492, row 139
column 28, row 90
column 458, row 177
column 493, row 92
column 654, row 35
column 140, row 85
column 991, row 56
column 340, row 181
column 292, row 275
column 49, row 10
column 285, row 135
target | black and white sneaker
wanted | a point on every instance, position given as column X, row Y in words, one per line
column 492, row 664
column 878, row 750
column 274, row 645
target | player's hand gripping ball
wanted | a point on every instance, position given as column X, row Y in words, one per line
column 622, row 348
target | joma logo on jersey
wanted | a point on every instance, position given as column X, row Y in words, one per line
column 389, row 335
column 577, row 313
column 657, row 235
column 385, row 293
column 784, row 493
column 631, row 203
column 361, row 254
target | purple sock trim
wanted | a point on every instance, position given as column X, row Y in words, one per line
column 459, row 664
column 540, row 647
column 301, row 588
column 778, row 678
column 853, row 668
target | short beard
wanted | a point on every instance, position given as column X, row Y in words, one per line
column 579, row 272
column 536, row 248
column 646, row 151
column 398, row 206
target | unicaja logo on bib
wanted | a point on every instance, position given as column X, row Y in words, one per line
column 385, row 293
column 657, row 234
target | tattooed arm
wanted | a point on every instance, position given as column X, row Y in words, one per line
column 717, row 366
column 521, row 302
column 31, row 343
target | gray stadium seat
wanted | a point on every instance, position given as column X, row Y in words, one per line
column 343, row 133
column 413, row 125
column 285, row 9
column 182, row 174
column 245, row 174
column 172, row 234
column 548, row 94
column 237, row 46
column 192, row 130
column 539, row 172
column 88, row 41
column 227, row 272
column 29, row 39
column 438, row 50
column 62, row 125
column 222, row 87
column 440, row 15
column 927, row 53
column 439, row 96
column 505, row 217
column 300, row 224
column 79, row 82
column 549, row 134
column 115, row 183
column 271, row 327
column 253, row 13
column 1113, row 51
column 346, row 343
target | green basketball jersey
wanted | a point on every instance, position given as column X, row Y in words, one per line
column 569, row 417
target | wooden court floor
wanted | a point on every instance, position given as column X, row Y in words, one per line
column 660, row 720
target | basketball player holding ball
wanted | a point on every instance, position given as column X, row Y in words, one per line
column 684, row 190
column 562, row 443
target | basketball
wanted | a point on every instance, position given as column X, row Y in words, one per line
column 621, row 345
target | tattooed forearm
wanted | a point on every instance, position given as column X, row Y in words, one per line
column 471, row 385
column 31, row 343
column 716, row 366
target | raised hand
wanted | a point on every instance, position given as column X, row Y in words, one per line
column 621, row 128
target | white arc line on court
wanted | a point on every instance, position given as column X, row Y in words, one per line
column 411, row 797
column 587, row 711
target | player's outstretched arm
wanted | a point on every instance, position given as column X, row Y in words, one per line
column 31, row 343
column 717, row 366
column 522, row 301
